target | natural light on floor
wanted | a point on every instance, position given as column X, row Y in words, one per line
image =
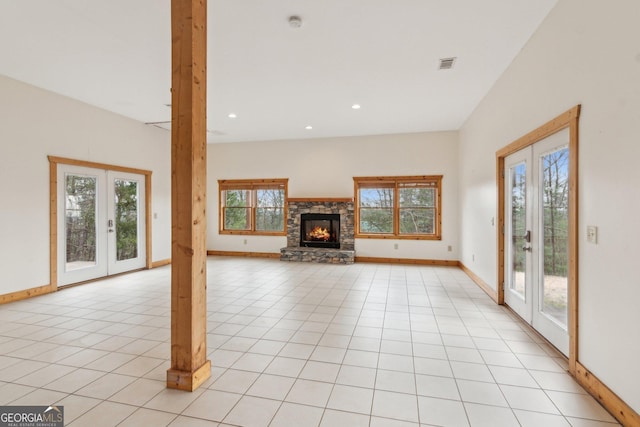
column 291, row 344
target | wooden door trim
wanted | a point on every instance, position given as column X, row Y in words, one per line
column 53, row 208
column 568, row 119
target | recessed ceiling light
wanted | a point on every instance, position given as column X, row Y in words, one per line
column 232, row 115
column 308, row 127
column 356, row 106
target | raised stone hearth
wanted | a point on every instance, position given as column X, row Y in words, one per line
column 294, row 252
column 319, row 255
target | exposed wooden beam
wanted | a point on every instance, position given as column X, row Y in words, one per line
column 189, row 364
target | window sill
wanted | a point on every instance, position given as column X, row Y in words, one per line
column 397, row 237
column 252, row 233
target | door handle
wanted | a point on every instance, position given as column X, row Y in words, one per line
column 527, row 239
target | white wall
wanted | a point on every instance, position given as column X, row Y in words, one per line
column 585, row 52
column 326, row 167
column 34, row 124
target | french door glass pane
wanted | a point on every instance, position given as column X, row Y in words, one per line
column 126, row 204
column 80, row 221
column 518, row 228
column 555, row 196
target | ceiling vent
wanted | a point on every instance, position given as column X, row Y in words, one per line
column 446, row 63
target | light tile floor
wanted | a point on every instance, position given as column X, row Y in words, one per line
column 292, row 344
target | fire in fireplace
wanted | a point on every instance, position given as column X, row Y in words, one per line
column 320, row 230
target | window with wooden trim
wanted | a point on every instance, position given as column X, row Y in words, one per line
column 403, row 207
column 253, row 206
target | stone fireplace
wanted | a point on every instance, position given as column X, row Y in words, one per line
column 320, row 230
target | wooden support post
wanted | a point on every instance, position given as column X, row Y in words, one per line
column 189, row 364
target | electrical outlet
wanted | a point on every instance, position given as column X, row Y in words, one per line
column 473, row 257
column 395, row 246
column 449, row 248
column 245, row 241
column 592, row 234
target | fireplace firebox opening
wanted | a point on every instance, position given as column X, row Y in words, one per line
column 320, row 230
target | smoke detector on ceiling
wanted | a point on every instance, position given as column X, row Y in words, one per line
column 295, row 22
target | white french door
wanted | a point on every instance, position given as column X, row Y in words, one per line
column 536, row 236
column 101, row 223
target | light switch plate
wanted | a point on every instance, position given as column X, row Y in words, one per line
column 592, row 234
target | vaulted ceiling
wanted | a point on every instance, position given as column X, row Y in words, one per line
column 277, row 79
